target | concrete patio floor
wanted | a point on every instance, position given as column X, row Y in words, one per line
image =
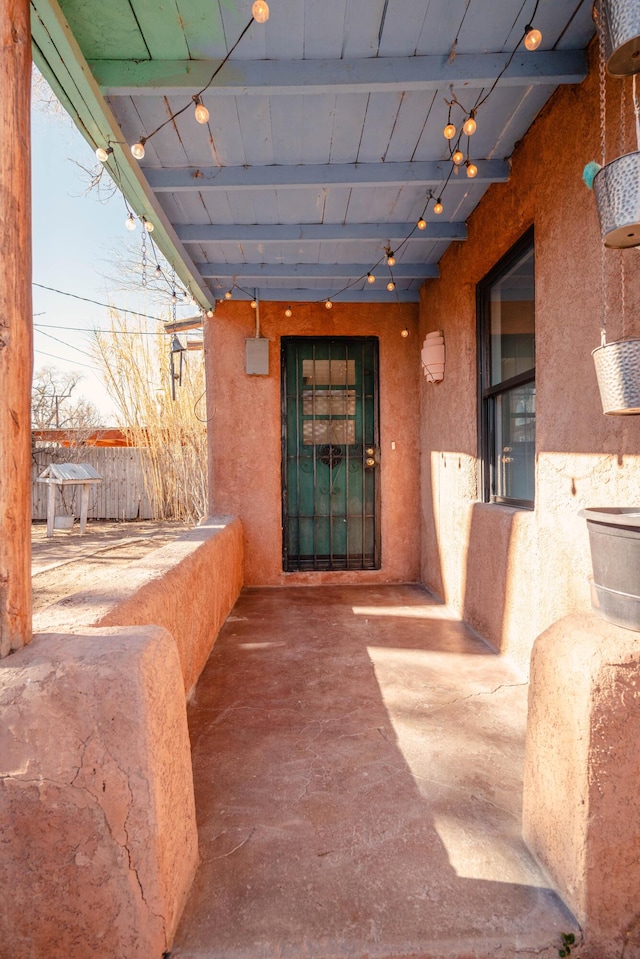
column 358, row 762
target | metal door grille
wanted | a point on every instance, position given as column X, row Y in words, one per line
column 330, row 453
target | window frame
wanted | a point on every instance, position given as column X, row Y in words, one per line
column 488, row 393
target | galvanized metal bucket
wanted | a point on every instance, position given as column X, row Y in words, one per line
column 620, row 29
column 618, row 372
column 617, row 190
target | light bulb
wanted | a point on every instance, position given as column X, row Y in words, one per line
column 391, row 260
column 103, row 154
column 157, row 272
column 210, row 314
column 148, row 225
column 404, row 333
column 174, row 298
column 470, row 125
column 138, row 149
column 202, row 114
column 130, row 222
column 532, row 38
column 438, row 208
column 329, row 304
column 422, row 223
column 449, row 131
column 391, row 286
column 371, row 278
column 457, row 157
column 472, row 170
column 228, row 295
column 260, row 11
column 254, row 304
column 288, row 311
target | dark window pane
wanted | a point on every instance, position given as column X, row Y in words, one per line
column 514, row 450
column 512, row 322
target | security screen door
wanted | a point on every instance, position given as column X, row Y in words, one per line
column 330, row 450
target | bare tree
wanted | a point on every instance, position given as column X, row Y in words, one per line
column 53, row 405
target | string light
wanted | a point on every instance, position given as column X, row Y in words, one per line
column 130, row 222
column 328, row 304
column 288, row 311
column 438, row 208
column 472, row 170
column 210, row 314
column 201, row 112
column 254, row 304
column 137, row 149
column 174, row 296
column 391, row 286
column 404, row 333
column 532, row 37
column 457, row 157
column 148, row 225
column 158, row 271
column 391, row 260
column 228, row 294
column 371, row 278
column 422, row 223
column 103, row 155
column 470, row 126
column 449, row 131
column 260, row 11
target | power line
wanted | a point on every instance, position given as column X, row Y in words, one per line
column 108, row 306
column 63, row 359
column 82, row 329
column 64, row 343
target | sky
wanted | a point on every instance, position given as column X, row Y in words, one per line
column 78, row 242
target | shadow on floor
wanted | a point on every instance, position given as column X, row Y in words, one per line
column 357, row 761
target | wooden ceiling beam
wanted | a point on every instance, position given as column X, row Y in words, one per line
column 422, row 173
column 253, row 273
column 370, row 295
column 317, row 232
column 371, row 75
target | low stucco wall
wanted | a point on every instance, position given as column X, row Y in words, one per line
column 511, row 573
column 188, row 586
column 98, row 838
column 582, row 768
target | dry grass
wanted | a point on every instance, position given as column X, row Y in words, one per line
column 136, row 369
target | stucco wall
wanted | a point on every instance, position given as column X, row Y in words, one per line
column 245, row 431
column 510, row 573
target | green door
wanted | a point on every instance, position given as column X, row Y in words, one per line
column 330, row 453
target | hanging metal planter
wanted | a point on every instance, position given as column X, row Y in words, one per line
column 620, row 28
column 618, row 372
column 617, row 190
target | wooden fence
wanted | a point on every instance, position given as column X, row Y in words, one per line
column 120, row 496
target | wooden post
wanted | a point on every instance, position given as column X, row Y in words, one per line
column 16, row 331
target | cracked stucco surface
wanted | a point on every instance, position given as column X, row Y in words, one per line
column 97, row 823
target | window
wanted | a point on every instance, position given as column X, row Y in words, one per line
column 507, row 402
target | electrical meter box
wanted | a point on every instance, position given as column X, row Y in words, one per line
column 257, row 357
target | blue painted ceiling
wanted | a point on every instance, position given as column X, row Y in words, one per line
column 325, row 137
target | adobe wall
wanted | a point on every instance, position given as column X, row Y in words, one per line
column 188, row 586
column 98, row 838
column 510, row 573
column 244, row 428
column 581, row 802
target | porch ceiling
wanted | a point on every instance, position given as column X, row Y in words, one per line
column 325, row 130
